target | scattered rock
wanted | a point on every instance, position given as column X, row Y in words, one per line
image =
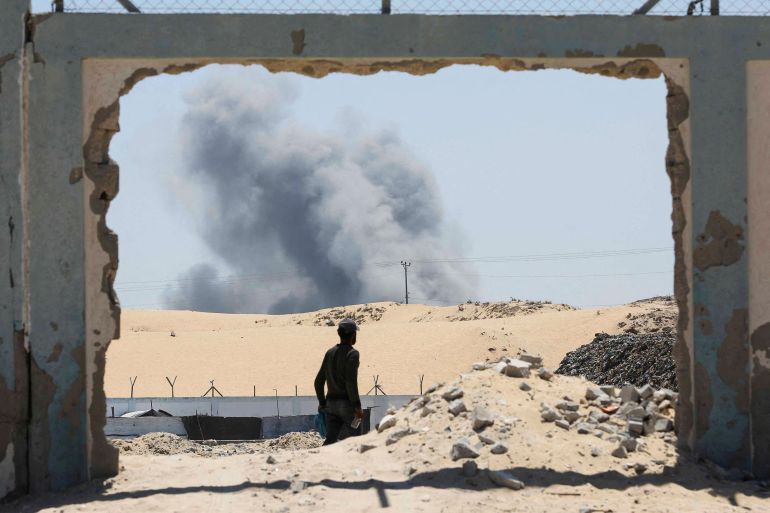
column 639, row 467
column 270, row 460
column 568, row 406
column 486, row 440
column 596, row 451
column 506, row 479
column 536, row 361
column 482, row 418
column 562, row 424
column 499, row 448
column 470, row 468
column 397, row 435
column 598, row 416
column 524, row 386
column 629, row 394
column 549, row 414
column 544, row 374
column 366, row 447
column 583, row 428
column 297, row 486
column 457, row 406
column 663, row 424
column 620, row 452
column 645, row 391
column 462, row 449
column 452, row 394
column 517, row 369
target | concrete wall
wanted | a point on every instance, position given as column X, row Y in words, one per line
column 59, row 111
column 118, row 427
column 247, row 406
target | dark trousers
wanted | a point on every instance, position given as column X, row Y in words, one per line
column 339, row 415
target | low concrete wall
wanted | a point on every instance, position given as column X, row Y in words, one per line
column 289, row 406
column 119, row 427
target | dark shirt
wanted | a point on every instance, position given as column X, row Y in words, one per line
column 339, row 371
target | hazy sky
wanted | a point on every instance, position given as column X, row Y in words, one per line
column 527, row 163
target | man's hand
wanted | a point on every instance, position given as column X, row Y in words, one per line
column 359, row 413
column 321, row 408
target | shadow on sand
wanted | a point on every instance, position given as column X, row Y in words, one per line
column 687, row 474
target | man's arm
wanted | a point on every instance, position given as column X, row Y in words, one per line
column 320, row 380
column 351, row 378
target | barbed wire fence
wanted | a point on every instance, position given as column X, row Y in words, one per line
column 434, row 7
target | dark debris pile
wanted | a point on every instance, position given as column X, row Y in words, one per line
column 636, row 359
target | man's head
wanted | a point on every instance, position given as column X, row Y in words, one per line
column 347, row 329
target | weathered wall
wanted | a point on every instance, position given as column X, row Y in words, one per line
column 81, row 64
column 13, row 357
column 758, row 107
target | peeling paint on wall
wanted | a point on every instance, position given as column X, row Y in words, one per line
column 720, row 244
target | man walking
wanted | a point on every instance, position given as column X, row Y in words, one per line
column 339, row 371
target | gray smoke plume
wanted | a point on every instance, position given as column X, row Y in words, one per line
column 305, row 220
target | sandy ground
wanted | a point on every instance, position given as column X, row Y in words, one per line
column 397, row 342
column 561, row 470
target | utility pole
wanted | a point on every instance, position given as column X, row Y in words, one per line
column 406, row 265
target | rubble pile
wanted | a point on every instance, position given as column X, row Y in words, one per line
column 635, row 359
column 169, row 444
column 475, row 310
column 362, row 315
column 659, row 315
column 617, row 419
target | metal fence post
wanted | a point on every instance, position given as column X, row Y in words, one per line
column 58, row 5
column 715, row 7
column 385, row 7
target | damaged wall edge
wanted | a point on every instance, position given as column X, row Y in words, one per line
column 82, row 81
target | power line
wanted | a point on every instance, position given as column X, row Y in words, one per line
column 539, row 257
column 544, row 275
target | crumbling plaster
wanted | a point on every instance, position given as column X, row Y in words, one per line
column 81, row 64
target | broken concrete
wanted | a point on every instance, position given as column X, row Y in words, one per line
column 66, row 182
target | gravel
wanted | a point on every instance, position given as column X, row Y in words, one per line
column 637, row 359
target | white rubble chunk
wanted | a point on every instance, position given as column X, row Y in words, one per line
column 562, row 424
column 545, row 374
column 479, row 366
column 387, row 422
column 517, row 369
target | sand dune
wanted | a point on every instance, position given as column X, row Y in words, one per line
column 397, row 342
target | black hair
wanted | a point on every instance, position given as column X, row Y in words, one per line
column 347, row 337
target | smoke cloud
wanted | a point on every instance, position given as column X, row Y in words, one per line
column 304, row 220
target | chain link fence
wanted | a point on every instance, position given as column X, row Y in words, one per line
column 436, row 7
